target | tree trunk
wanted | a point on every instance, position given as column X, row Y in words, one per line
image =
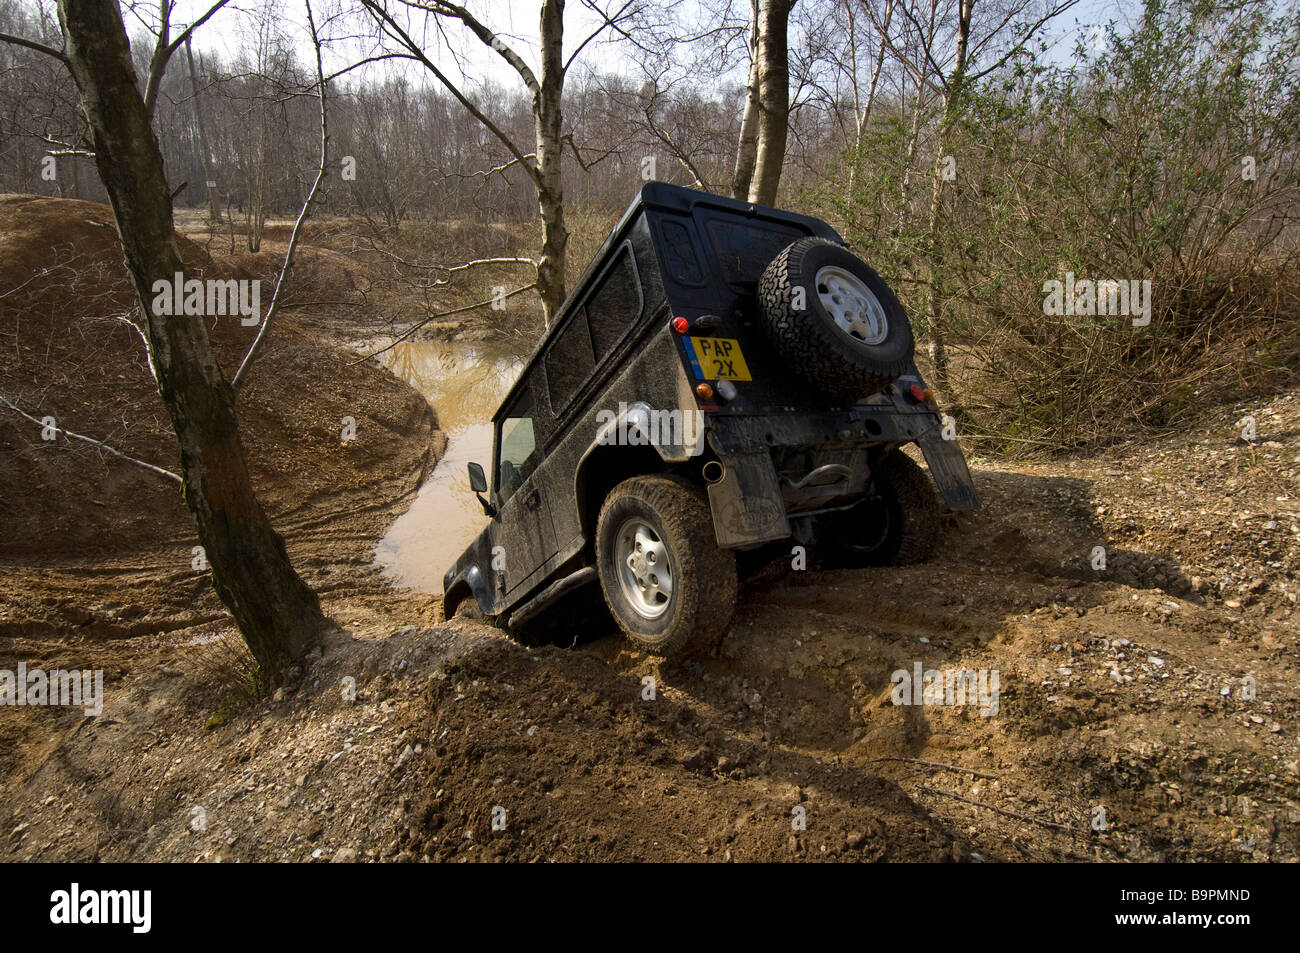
column 209, row 174
column 954, row 95
column 773, row 99
column 547, row 120
column 862, row 112
column 278, row 614
column 747, row 148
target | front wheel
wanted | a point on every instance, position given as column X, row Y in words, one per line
column 665, row 579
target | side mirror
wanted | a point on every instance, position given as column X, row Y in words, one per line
column 478, row 483
column 477, row 479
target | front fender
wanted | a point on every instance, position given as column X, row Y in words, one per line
column 463, row 582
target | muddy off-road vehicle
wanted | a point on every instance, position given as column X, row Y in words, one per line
column 724, row 378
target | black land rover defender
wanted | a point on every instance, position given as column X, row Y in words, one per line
column 724, row 377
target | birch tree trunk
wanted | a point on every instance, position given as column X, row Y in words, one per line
column 773, row 99
column 548, row 123
column 954, row 93
column 747, row 148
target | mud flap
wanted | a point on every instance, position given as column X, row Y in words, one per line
column 948, row 470
column 746, row 503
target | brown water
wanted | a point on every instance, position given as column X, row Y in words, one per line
column 465, row 384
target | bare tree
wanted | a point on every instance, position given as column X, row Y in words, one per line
column 279, row 615
column 765, row 124
column 950, row 43
column 209, row 173
column 773, row 75
column 747, row 147
column 165, row 47
column 543, row 164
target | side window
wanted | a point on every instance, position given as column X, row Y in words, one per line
column 516, row 458
column 569, row 361
column 615, row 305
column 680, row 260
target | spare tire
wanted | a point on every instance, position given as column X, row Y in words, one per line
column 834, row 319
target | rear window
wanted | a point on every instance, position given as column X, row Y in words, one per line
column 743, row 249
column 569, row 361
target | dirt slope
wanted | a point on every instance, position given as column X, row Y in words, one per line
column 1121, row 689
column 93, row 548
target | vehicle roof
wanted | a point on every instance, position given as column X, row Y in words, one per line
column 661, row 196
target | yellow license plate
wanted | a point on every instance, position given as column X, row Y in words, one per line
column 717, row 359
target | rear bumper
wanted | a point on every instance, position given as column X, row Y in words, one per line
column 753, row 504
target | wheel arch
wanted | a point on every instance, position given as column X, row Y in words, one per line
column 604, row 467
column 469, row 584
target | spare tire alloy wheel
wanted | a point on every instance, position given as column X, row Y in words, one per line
column 854, row 307
column 834, row 319
column 665, row 579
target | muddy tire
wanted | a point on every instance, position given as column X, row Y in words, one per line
column 851, row 337
column 665, row 579
column 900, row 525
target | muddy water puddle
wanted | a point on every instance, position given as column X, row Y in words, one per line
column 465, row 383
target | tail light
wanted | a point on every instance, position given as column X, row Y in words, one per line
column 922, row 395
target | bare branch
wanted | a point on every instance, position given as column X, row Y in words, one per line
column 441, row 314
column 608, row 22
column 394, row 30
column 34, row 45
column 588, row 166
column 365, row 62
column 1016, row 47
column 456, row 11
column 999, row 810
column 156, row 471
column 189, row 31
column 258, row 342
column 487, row 173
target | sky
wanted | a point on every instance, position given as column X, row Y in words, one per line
column 516, row 20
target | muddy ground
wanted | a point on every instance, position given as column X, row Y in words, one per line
column 1146, row 711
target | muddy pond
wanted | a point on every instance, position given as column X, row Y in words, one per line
column 465, row 383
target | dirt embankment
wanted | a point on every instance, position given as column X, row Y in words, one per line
column 95, row 548
column 1122, row 730
column 98, row 555
column 1146, row 710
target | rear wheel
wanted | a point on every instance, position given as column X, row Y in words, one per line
column 896, row 526
column 665, row 579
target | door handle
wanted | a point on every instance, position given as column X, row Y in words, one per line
column 533, row 500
